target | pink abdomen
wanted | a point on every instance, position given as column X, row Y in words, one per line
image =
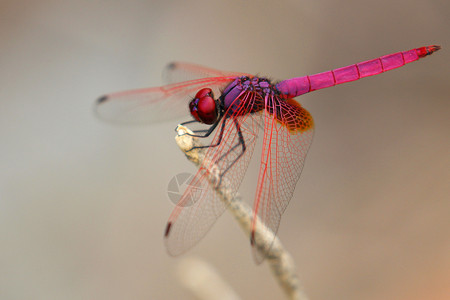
column 298, row 86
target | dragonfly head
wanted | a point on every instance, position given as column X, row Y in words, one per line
column 203, row 107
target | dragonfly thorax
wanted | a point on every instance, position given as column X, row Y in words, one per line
column 203, row 107
column 252, row 90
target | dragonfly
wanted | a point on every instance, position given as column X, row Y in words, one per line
column 245, row 104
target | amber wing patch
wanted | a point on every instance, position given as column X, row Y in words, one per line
column 294, row 116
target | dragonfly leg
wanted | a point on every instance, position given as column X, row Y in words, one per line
column 206, row 131
column 241, row 143
column 211, row 129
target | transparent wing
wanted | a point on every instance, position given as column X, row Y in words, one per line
column 180, row 71
column 197, row 212
column 155, row 104
column 288, row 133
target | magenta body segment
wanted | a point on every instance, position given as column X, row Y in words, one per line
column 301, row 85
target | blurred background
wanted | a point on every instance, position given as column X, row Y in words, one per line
column 83, row 203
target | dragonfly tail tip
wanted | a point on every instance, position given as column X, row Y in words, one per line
column 428, row 50
column 437, row 47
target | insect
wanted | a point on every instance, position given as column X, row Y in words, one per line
column 237, row 106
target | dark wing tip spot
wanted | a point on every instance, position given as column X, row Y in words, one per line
column 252, row 238
column 167, row 229
column 171, row 66
column 102, row 99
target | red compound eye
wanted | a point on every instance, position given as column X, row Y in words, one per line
column 203, row 107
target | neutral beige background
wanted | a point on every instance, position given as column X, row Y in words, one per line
column 83, row 204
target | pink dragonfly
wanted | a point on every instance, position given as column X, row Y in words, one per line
column 245, row 103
